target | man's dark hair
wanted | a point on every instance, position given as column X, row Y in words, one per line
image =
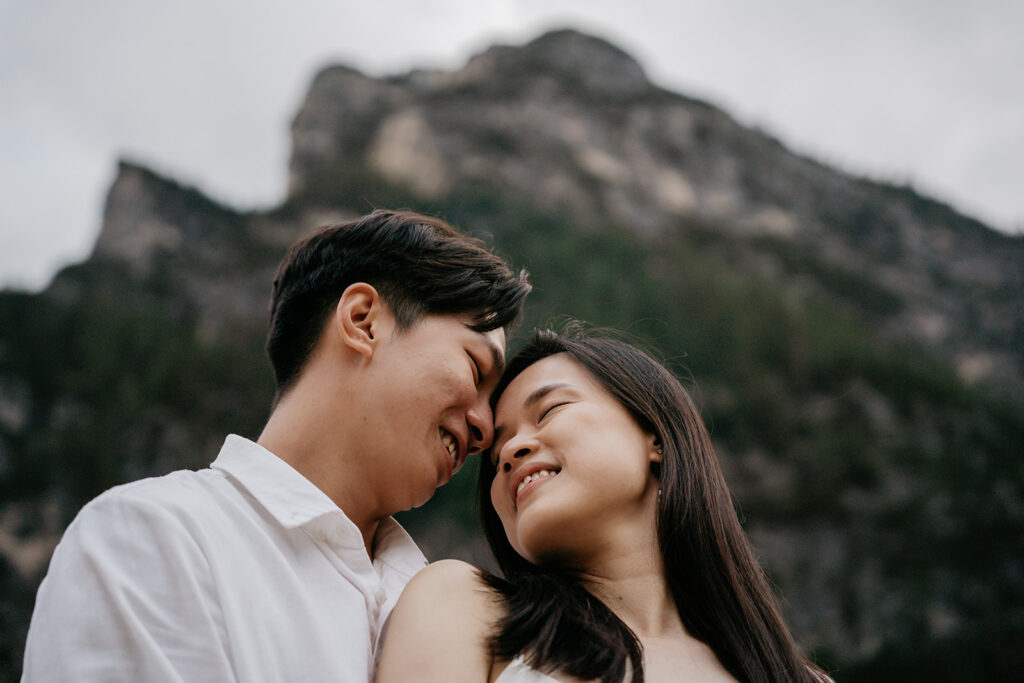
column 419, row 265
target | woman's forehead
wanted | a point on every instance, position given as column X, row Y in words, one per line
column 540, row 378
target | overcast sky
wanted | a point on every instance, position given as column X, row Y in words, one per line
column 922, row 91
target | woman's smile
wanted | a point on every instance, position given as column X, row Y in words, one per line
column 559, row 430
column 529, row 478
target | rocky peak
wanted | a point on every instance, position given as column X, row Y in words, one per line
column 146, row 215
column 331, row 124
column 133, row 230
column 572, row 123
column 592, row 64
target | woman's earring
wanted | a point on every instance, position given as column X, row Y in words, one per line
column 656, row 467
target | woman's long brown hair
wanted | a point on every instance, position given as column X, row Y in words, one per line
column 720, row 590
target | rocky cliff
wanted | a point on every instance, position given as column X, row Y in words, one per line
column 857, row 348
column 572, row 123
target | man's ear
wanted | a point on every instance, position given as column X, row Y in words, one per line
column 361, row 318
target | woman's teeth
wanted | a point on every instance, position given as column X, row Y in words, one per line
column 533, row 477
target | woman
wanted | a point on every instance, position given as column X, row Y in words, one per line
column 623, row 557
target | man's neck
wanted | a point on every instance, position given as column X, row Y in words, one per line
column 296, row 434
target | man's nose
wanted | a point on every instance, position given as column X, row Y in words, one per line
column 481, row 427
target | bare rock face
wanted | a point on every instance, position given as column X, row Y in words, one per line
column 572, row 123
column 590, row 65
column 329, row 128
column 148, row 216
column 209, row 258
column 405, row 150
column 133, row 230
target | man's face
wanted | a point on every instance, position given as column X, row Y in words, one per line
column 431, row 385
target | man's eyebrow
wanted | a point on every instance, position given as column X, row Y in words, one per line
column 536, row 395
column 497, row 357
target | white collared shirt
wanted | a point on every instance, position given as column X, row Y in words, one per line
column 242, row 572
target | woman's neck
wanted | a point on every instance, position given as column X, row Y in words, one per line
column 633, row 585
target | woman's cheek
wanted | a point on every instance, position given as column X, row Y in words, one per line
column 496, row 498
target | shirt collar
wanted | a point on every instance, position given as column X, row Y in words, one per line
column 394, row 547
column 292, row 499
column 295, row 501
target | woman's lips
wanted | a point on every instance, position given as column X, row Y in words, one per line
column 529, row 478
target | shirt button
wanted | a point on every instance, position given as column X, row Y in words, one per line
column 380, row 596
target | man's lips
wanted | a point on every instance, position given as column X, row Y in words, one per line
column 451, row 444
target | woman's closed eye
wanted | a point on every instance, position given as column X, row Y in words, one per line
column 544, row 413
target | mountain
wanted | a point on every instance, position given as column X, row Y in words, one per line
column 572, row 123
column 857, row 348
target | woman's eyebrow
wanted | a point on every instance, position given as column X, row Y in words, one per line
column 543, row 391
column 536, row 395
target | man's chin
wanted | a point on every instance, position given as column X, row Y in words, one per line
column 423, row 499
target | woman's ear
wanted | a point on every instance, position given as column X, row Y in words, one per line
column 655, row 448
column 360, row 318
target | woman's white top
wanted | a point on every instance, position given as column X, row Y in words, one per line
column 518, row 671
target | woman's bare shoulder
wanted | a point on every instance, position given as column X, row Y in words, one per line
column 439, row 629
column 458, row 583
column 452, row 573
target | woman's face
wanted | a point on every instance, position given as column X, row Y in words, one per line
column 573, row 468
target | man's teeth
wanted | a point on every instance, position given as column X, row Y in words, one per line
column 449, row 442
column 534, row 477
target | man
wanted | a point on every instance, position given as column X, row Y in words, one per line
column 281, row 561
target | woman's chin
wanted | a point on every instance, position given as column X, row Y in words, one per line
column 546, row 547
